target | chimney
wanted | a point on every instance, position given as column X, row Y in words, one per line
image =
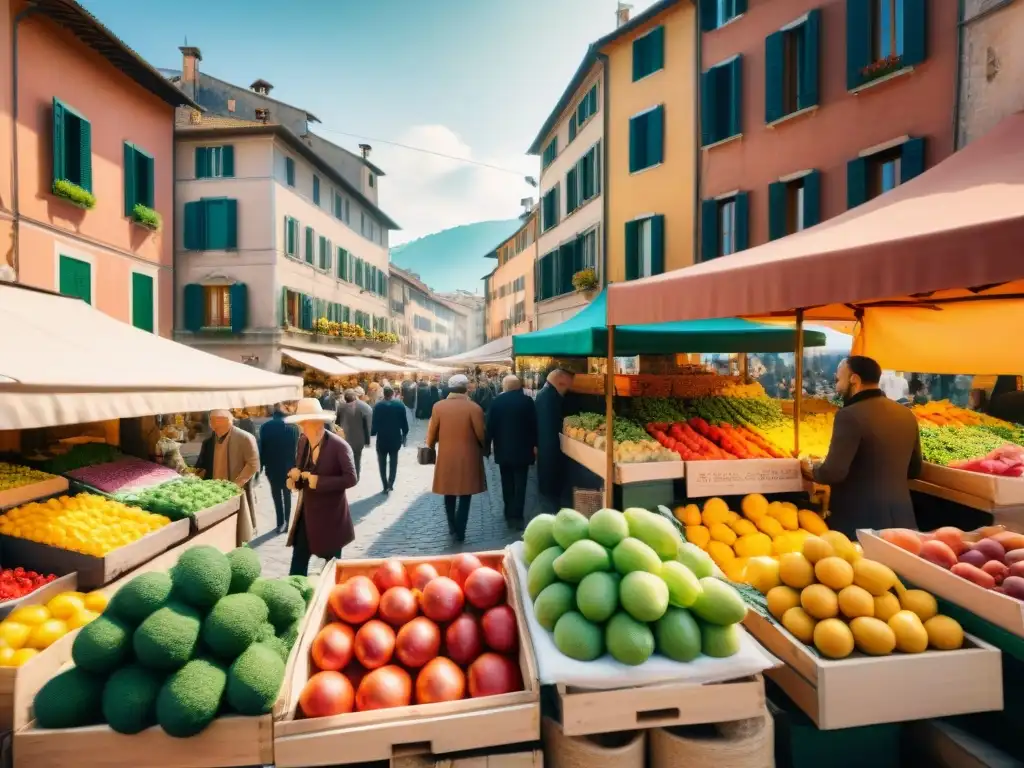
column 190, row 58
column 262, row 87
column 622, row 14
column 364, row 149
column 262, row 114
column 527, row 203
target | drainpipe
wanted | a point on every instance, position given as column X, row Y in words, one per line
column 698, row 160
column 603, row 58
column 15, row 182
column 175, row 309
column 958, row 86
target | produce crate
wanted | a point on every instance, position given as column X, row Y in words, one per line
column 512, row 758
column 93, row 572
column 457, row 726
column 207, row 518
column 1001, row 491
column 14, row 497
column 743, row 476
column 595, row 460
column 66, row 583
column 1002, row 610
column 870, row 690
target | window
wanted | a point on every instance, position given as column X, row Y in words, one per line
column 341, row 258
column 791, row 68
column 645, row 247
column 649, row 53
column 519, row 313
column 646, row 139
column 370, row 178
column 211, row 224
column 291, row 237
column 289, row 171
column 549, row 209
column 316, row 189
column 72, row 146
column 794, row 205
column 886, row 29
column 337, row 206
column 550, row 153
column 218, row 307
column 143, row 306
column 582, row 182
column 138, row 178
column 572, row 127
column 310, row 244
column 718, row 13
column 882, row 37
column 725, row 226
column 721, row 99
column 586, row 109
column 215, row 162
column 75, row 278
column 324, row 259
column 348, row 211
column 873, row 175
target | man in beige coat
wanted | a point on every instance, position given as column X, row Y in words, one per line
column 456, row 428
column 231, row 454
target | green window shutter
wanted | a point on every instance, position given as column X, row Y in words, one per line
column 742, row 221
column 306, row 314
column 146, row 174
column 776, row 210
column 708, row 230
column 858, row 40
column 85, row 153
column 655, row 136
column 812, row 199
column 774, row 76
column 808, row 80
column 195, row 230
column 337, row 205
column 231, row 224
column 227, row 162
column 142, row 301
column 656, row 46
column 708, row 108
column 195, row 310
column 283, row 306
column 238, row 300
column 202, row 160
column 632, row 250
column 59, row 126
column 570, row 190
column 735, row 72
column 592, row 100
column 221, row 218
column 639, row 59
column 76, row 278
column 289, row 171
column 856, row 182
column 309, row 245
column 739, row 6
column 572, row 126
column 708, row 10
column 911, row 159
column 657, row 244
column 129, row 179
column 316, row 189
column 915, row 32
column 343, row 267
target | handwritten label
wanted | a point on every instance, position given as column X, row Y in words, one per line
column 742, row 476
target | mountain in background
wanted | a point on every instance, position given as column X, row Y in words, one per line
column 453, row 259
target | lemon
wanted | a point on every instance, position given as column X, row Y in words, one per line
column 22, row 656
column 795, row 570
column 32, row 615
column 96, row 602
column 80, row 619
column 7, row 657
column 46, row 634
column 65, row 605
column 14, row 634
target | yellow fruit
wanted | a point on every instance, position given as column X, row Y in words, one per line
column 944, row 633
column 874, row 577
column 32, row 615
column 770, row 525
column 775, row 509
column 795, row 571
column 14, row 634
column 911, row 636
column 7, row 657
column 920, row 602
column 855, row 602
column 819, row 601
column 754, row 506
column 789, row 519
column 834, row 572
column 811, row 522
column 688, row 515
column 731, row 518
column 735, row 569
column 781, row 599
column 96, row 602
column 754, row 545
column 886, row 606
column 64, row 606
column 800, row 624
column 723, row 533
column 816, row 548
column 46, row 634
column 23, row 655
column 715, row 511
column 872, row 636
column 743, row 527
column 720, row 553
column 763, row 574
column 833, row 638
column 698, row 534
column 858, row 552
column 842, row 546
column 80, row 619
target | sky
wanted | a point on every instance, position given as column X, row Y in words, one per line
column 474, row 79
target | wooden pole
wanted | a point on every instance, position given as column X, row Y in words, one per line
column 609, row 418
column 798, row 392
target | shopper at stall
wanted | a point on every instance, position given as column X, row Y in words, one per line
column 231, row 454
column 457, row 430
column 390, row 427
column 1007, row 401
column 278, row 442
column 324, row 471
column 875, row 449
column 512, row 436
column 483, row 395
column 355, row 417
column 550, row 462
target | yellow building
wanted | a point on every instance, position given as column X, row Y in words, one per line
column 650, row 145
column 509, row 287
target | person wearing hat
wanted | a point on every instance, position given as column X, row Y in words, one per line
column 324, row 470
column 231, row 454
column 456, row 428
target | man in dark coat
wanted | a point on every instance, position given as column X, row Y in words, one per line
column 512, row 434
column 277, row 456
column 390, row 426
column 324, row 470
column 483, row 395
column 875, row 449
column 409, row 393
column 550, row 462
column 423, row 402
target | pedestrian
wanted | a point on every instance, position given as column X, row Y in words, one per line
column 324, row 470
column 875, row 449
column 550, row 462
column 435, row 396
column 391, row 427
column 409, row 394
column 355, row 417
column 457, row 429
column 423, row 399
column 483, row 395
column 230, row 454
column 279, row 441
column 512, row 440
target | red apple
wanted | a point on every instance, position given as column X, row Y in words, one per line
column 440, row 680
column 500, row 629
column 398, row 606
column 485, row 588
column 390, row 574
column 442, row 600
column 418, row 642
column 355, row 600
column 494, row 674
column 374, row 644
column 325, row 694
column 422, row 575
column 463, row 565
column 463, row 640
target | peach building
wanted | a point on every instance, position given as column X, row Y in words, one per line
column 86, row 189
column 509, row 287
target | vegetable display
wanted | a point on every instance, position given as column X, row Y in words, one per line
column 30, row 629
column 83, row 455
column 15, row 583
column 123, row 475
column 632, row 444
column 16, row 476
column 182, row 497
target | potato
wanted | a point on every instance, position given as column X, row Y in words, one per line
column 996, row 570
column 974, row 575
column 1009, row 540
column 1017, row 569
column 1014, row 587
column 991, row 548
column 975, row 558
column 938, row 553
column 1014, row 556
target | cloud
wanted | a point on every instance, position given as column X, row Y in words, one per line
column 426, row 193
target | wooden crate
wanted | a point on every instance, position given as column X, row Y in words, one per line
column 207, row 518
column 871, row 690
column 23, row 494
column 93, row 572
column 743, row 476
column 66, row 583
column 595, row 460
column 1001, row 491
column 457, row 726
column 524, row 758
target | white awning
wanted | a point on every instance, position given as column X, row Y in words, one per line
column 497, row 351
column 361, row 364
column 63, row 362
column 416, row 365
column 324, row 363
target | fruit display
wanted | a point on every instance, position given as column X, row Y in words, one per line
column 16, row 476
column 991, row 557
column 625, row 584
column 30, row 629
column 408, row 636
column 697, row 440
column 180, row 648
column 632, row 444
column 85, row 523
column 1005, row 461
column 815, row 433
column 125, row 474
column 182, row 497
column 81, row 455
column 829, row 596
column 956, row 437
column 762, row 530
column 16, row 583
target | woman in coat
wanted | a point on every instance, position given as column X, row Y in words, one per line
column 457, row 430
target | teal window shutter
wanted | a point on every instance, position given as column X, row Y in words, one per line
column 915, row 32
column 337, row 205
column 656, row 48
column 639, row 62
column 808, row 77
column 238, row 300
column 856, row 182
column 145, row 173
column 306, row 316
column 655, row 136
column 309, row 245
column 632, row 250
column 59, row 126
column 570, row 190
column 316, row 189
column 777, row 210
column 812, row 199
column 75, row 278
column 85, row 153
column 708, row 10
column 742, row 221
column 592, row 100
column 858, row 40
column 636, row 138
column 657, row 244
column 289, row 171
column 227, row 168
column 774, row 76
column 708, row 108
column 231, row 224
column 202, row 160
column 343, row 264
column 572, row 126
column 739, row 7
column 142, row 301
column 735, row 72
column 195, row 228
column 709, row 235
column 195, row 310
column 911, row 159
column 129, row 179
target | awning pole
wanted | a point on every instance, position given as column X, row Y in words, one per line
column 798, row 392
column 609, row 417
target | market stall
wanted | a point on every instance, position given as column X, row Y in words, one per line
column 497, row 352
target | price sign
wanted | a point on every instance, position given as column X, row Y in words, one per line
column 742, row 476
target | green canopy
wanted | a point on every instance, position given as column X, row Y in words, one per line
column 586, row 335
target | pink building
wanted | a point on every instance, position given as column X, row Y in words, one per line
column 86, row 163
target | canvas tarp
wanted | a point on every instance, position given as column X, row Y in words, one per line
column 326, row 364
column 63, row 362
column 493, row 352
column 360, row 364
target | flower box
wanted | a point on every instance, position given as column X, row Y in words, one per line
column 74, row 194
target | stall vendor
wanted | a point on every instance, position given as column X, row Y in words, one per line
column 550, row 461
column 230, row 453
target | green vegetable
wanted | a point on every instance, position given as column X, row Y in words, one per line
column 245, row 568
column 284, row 601
column 191, row 698
column 140, row 597
column 69, row 700
column 167, row 639
column 102, row 645
column 944, row 445
column 254, row 680
column 201, row 577
column 129, row 699
column 182, row 498
column 233, row 624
